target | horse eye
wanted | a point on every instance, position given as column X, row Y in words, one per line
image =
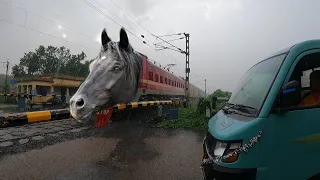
column 116, row 68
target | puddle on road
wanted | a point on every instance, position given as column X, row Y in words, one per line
column 118, row 152
column 53, row 160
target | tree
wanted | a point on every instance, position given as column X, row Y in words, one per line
column 220, row 93
column 18, row 71
column 52, row 60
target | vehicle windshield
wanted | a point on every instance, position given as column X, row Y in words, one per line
column 254, row 85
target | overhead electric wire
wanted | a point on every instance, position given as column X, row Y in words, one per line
column 169, row 40
column 104, row 14
column 31, row 29
column 119, row 19
column 47, row 19
column 178, row 34
column 112, row 14
column 107, row 16
column 71, row 29
column 130, row 16
column 140, row 25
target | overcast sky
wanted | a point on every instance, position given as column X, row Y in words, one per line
column 227, row 37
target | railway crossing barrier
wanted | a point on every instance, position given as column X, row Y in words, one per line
column 58, row 114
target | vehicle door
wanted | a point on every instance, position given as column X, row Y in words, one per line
column 290, row 144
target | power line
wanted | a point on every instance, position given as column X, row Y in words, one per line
column 118, row 18
column 112, row 14
column 169, row 43
column 31, row 29
column 130, row 16
column 178, row 34
column 47, row 19
column 66, row 27
column 169, row 40
column 133, row 19
column 101, row 12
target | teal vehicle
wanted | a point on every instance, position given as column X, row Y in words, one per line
column 265, row 132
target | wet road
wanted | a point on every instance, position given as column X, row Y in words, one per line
column 122, row 150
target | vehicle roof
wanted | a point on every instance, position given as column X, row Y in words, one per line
column 297, row 48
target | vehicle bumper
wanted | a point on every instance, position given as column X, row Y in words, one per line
column 216, row 172
column 213, row 171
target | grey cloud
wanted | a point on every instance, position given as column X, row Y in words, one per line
column 226, row 36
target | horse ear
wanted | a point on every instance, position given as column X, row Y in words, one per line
column 124, row 41
column 105, row 39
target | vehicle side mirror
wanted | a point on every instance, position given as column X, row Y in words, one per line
column 290, row 95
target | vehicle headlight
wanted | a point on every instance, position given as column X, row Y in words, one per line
column 216, row 149
column 225, row 148
column 231, row 149
column 220, row 148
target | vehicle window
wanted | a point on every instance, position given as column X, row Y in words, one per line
column 161, row 79
column 150, row 76
column 156, row 78
column 309, row 70
column 255, row 84
column 305, row 78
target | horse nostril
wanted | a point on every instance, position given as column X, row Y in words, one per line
column 80, row 102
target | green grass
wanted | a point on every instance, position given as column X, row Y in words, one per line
column 189, row 119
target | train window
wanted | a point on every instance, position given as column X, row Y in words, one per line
column 161, row 79
column 166, row 80
column 156, row 78
column 169, row 81
column 150, row 75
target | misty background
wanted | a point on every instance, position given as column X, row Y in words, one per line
column 227, row 37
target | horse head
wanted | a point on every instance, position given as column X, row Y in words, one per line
column 114, row 78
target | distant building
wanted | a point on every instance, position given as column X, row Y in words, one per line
column 48, row 85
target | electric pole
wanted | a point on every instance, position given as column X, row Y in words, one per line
column 187, row 68
column 175, row 48
column 6, row 81
column 205, row 87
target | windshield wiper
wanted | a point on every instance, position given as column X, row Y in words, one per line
column 226, row 109
column 241, row 108
column 246, row 109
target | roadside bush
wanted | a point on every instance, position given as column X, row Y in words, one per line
column 192, row 118
column 189, row 119
column 203, row 104
column 56, row 102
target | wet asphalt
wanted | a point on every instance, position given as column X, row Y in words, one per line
column 122, row 150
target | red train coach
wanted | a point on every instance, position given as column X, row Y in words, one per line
column 157, row 83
